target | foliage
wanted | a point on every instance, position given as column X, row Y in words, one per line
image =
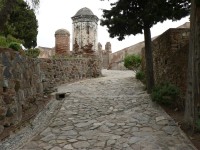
column 5, row 41
column 140, row 75
column 22, row 24
column 10, row 39
column 7, row 6
column 132, row 62
column 33, row 3
column 15, row 46
column 165, row 94
column 130, row 17
column 34, row 53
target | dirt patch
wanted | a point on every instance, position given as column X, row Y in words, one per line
column 178, row 117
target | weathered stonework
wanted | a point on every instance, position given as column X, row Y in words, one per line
column 25, row 81
column 104, row 55
column 62, row 42
column 108, row 48
column 85, row 25
column 170, row 58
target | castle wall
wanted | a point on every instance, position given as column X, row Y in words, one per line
column 170, row 58
column 25, row 81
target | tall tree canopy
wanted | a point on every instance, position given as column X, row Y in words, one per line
column 192, row 105
column 130, row 17
column 22, row 24
column 6, row 7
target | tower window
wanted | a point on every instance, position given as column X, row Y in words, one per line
column 88, row 29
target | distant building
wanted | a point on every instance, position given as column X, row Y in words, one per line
column 85, row 25
column 62, row 42
column 46, row 52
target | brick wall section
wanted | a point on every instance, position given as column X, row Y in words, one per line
column 24, row 81
column 62, row 44
column 170, row 57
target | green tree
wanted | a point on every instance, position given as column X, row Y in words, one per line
column 192, row 103
column 130, row 17
column 132, row 62
column 22, row 24
column 7, row 6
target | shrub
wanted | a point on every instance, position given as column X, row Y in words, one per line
column 34, row 53
column 3, row 42
column 6, row 41
column 165, row 94
column 140, row 75
column 11, row 39
column 15, row 46
column 132, row 62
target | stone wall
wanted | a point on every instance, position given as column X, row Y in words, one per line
column 66, row 70
column 170, row 57
column 25, row 81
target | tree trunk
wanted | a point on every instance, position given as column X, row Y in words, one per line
column 149, row 60
column 192, row 103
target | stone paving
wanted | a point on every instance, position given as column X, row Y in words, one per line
column 109, row 113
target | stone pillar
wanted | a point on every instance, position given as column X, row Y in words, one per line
column 100, row 53
column 99, row 47
column 108, row 47
column 62, row 42
column 85, row 25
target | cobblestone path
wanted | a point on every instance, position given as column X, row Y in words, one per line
column 109, row 113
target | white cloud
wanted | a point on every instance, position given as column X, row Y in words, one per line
column 56, row 14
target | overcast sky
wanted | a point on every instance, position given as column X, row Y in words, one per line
column 56, row 14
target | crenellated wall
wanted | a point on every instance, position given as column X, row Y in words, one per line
column 25, row 81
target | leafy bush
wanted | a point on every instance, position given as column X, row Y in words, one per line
column 3, row 42
column 132, row 62
column 140, row 75
column 15, row 46
column 6, row 41
column 34, row 53
column 165, row 94
column 11, row 39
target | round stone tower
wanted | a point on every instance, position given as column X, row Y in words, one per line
column 85, row 25
column 62, row 42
